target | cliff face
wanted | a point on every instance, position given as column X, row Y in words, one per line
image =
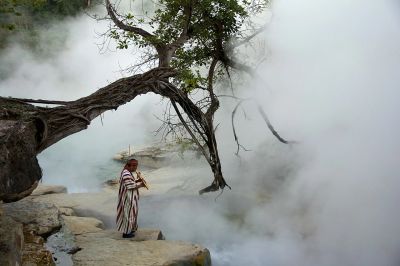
column 27, row 224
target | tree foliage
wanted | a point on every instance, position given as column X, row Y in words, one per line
column 201, row 31
column 25, row 15
column 196, row 38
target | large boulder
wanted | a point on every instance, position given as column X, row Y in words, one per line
column 20, row 170
column 39, row 217
column 23, row 228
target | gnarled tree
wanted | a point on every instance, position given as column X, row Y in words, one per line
column 190, row 42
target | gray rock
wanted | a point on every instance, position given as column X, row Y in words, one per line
column 22, row 224
column 109, row 248
column 84, row 238
column 45, row 189
column 42, row 218
column 66, row 211
column 143, row 234
column 81, row 225
column 11, row 241
column 159, row 154
column 34, row 252
column 20, row 170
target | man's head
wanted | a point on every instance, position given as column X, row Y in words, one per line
column 131, row 165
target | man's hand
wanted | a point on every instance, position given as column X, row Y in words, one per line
column 139, row 184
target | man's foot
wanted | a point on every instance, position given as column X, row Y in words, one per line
column 130, row 235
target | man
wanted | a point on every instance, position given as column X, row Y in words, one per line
column 128, row 197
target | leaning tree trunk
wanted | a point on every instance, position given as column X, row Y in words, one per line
column 26, row 130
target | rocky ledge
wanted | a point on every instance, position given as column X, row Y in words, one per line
column 160, row 154
column 43, row 229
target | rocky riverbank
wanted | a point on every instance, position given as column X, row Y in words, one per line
column 50, row 228
column 160, row 154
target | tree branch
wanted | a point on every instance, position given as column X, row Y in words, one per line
column 210, row 79
column 271, row 128
column 111, row 12
column 190, row 132
column 234, row 129
column 184, row 36
column 39, row 101
column 245, row 40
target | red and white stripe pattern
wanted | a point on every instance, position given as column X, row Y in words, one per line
column 128, row 197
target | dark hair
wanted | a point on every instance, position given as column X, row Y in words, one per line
column 130, row 160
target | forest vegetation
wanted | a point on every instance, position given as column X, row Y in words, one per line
column 22, row 18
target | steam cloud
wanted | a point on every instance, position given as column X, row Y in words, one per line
column 330, row 82
column 68, row 66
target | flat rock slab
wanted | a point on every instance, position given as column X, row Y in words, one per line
column 46, row 189
column 140, row 235
column 81, row 225
column 109, row 248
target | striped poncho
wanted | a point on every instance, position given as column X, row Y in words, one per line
column 128, row 197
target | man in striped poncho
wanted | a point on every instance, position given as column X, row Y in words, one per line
column 128, row 197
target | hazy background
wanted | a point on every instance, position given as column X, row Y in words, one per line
column 330, row 82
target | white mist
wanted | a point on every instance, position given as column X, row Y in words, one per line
column 330, row 83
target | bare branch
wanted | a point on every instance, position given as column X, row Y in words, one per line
column 242, row 67
column 271, row 128
column 234, row 129
column 246, row 40
column 191, row 133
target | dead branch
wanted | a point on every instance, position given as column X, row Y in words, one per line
column 271, row 128
column 234, row 129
